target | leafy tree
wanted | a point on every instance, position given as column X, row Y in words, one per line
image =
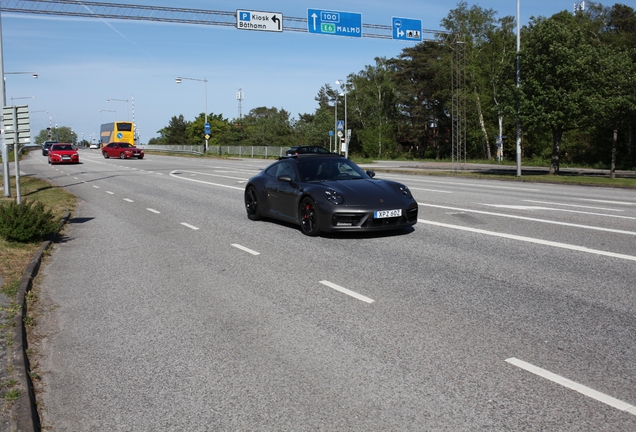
column 175, row 132
column 615, row 76
column 423, row 92
column 556, row 60
column 373, row 102
column 62, row 133
column 219, row 127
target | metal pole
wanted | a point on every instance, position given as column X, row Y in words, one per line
column 346, row 130
column 335, row 126
column 518, row 86
column 5, row 150
column 205, row 84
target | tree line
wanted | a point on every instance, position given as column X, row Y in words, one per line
column 576, row 102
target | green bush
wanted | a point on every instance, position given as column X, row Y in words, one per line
column 25, row 222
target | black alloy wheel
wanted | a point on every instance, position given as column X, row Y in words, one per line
column 251, row 204
column 122, row 155
column 308, row 217
column 105, row 155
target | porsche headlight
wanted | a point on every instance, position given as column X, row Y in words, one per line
column 334, row 197
column 405, row 190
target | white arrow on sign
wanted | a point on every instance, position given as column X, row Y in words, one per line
column 314, row 16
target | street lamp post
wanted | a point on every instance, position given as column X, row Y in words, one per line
column 205, row 85
column 346, row 131
column 335, row 125
column 121, row 100
column 113, row 111
column 518, row 84
column 50, row 121
column 5, row 150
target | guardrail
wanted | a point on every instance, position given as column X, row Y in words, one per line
column 241, row 151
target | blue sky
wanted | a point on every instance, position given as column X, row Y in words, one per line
column 82, row 62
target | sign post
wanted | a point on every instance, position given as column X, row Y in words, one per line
column 17, row 130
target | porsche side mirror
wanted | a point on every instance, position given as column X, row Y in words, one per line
column 371, row 173
column 285, row 178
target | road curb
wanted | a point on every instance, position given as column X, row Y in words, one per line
column 27, row 418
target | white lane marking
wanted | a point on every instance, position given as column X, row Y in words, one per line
column 601, row 397
column 195, row 173
column 532, row 219
column 607, row 202
column 243, row 248
column 189, row 226
column 466, row 184
column 201, row 181
column 153, row 211
column 430, row 190
column 128, row 199
column 96, row 187
column 109, row 192
column 532, row 240
column 346, row 291
column 573, row 205
column 515, row 207
column 76, row 178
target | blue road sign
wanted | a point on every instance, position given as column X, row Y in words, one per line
column 340, row 125
column 334, row 23
column 407, row 29
column 206, row 128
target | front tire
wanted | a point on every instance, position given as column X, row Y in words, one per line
column 122, row 155
column 105, row 155
column 251, row 204
column 308, row 217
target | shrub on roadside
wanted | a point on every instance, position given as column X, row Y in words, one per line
column 26, row 222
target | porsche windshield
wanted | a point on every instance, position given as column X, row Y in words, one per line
column 330, row 169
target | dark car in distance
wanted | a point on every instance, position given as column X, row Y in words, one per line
column 306, row 149
column 46, row 146
column 328, row 193
column 122, row 150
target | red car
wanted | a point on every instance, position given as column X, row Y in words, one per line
column 122, row 150
column 63, row 153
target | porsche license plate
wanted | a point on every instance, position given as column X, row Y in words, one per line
column 387, row 213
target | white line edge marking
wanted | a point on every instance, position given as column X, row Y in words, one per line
column 606, row 202
column 129, row 200
column 532, row 240
column 430, row 190
column 153, row 211
column 201, row 181
column 348, row 292
column 531, row 219
column 601, row 397
column 573, row 205
column 109, row 192
column 243, row 248
column 96, row 187
column 189, row 226
column 516, row 207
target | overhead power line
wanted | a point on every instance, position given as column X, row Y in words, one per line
column 76, row 8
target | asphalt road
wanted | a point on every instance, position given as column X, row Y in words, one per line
column 508, row 307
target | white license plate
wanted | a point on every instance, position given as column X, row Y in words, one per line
column 387, row 213
column 66, row 158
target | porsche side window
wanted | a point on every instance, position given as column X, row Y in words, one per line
column 272, row 171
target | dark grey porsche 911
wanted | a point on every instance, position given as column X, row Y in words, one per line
column 327, row 193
